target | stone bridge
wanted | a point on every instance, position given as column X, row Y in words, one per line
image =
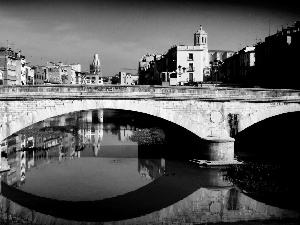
column 214, row 114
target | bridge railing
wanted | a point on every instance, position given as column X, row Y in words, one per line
column 144, row 91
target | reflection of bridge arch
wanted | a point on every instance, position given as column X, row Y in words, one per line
column 210, row 205
column 162, row 192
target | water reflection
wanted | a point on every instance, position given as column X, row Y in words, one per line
column 103, row 165
column 61, row 157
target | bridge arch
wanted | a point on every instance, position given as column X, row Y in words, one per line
column 247, row 120
column 52, row 108
column 215, row 121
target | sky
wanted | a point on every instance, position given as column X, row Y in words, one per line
column 122, row 31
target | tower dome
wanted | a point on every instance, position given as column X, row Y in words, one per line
column 95, row 67
column 200, row 38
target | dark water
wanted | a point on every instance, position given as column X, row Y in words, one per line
column 124, row 164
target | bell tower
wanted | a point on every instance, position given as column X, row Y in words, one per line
column 200, row 38
column 95, row 67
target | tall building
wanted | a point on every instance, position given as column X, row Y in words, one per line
column 95, row 75
column 191, row 60
column 12, row 65
column 95, row 67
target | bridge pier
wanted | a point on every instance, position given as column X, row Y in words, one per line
column 219, row 148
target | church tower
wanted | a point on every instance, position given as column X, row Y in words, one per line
column 200, row 38
column 95, row 67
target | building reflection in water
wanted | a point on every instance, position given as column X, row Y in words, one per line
column 72, row 136
column 151, row 169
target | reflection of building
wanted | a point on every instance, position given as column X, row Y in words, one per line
column 151, row 168
column 91, row 132
column 125, row 133
column 16, row 175
column 30, row 159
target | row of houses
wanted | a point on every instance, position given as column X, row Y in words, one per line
column 270, row 64
column 15, row 71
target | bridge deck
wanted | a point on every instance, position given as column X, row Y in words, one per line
column 147, row 92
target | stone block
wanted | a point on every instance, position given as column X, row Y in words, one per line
column 215, row 207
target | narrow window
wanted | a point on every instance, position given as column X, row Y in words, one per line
column 191, row 77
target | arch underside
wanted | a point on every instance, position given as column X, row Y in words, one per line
column 64, row 107
column 193, row 115
column 261, row 115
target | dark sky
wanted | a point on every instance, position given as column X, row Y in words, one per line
column 122, row 31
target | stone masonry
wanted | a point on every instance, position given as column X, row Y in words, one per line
column 201, row 207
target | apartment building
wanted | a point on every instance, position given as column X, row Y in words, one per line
column 12, row 66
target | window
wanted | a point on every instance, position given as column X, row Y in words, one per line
column 190, row 66
column 191, row 57
column 190, row 77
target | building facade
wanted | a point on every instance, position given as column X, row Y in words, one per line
column 128, row 78
column 29, row 75
column 191, row 61
column 276, row 57
column 40, row 75
column 53, row 73
column 12, row 66
column 181, row 64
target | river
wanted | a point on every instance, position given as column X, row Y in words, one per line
column 112, row 165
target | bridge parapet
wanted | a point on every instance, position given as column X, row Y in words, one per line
column 146, row 91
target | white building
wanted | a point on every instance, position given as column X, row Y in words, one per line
column 191, row 60
column 128, row 78
column 29, row 75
